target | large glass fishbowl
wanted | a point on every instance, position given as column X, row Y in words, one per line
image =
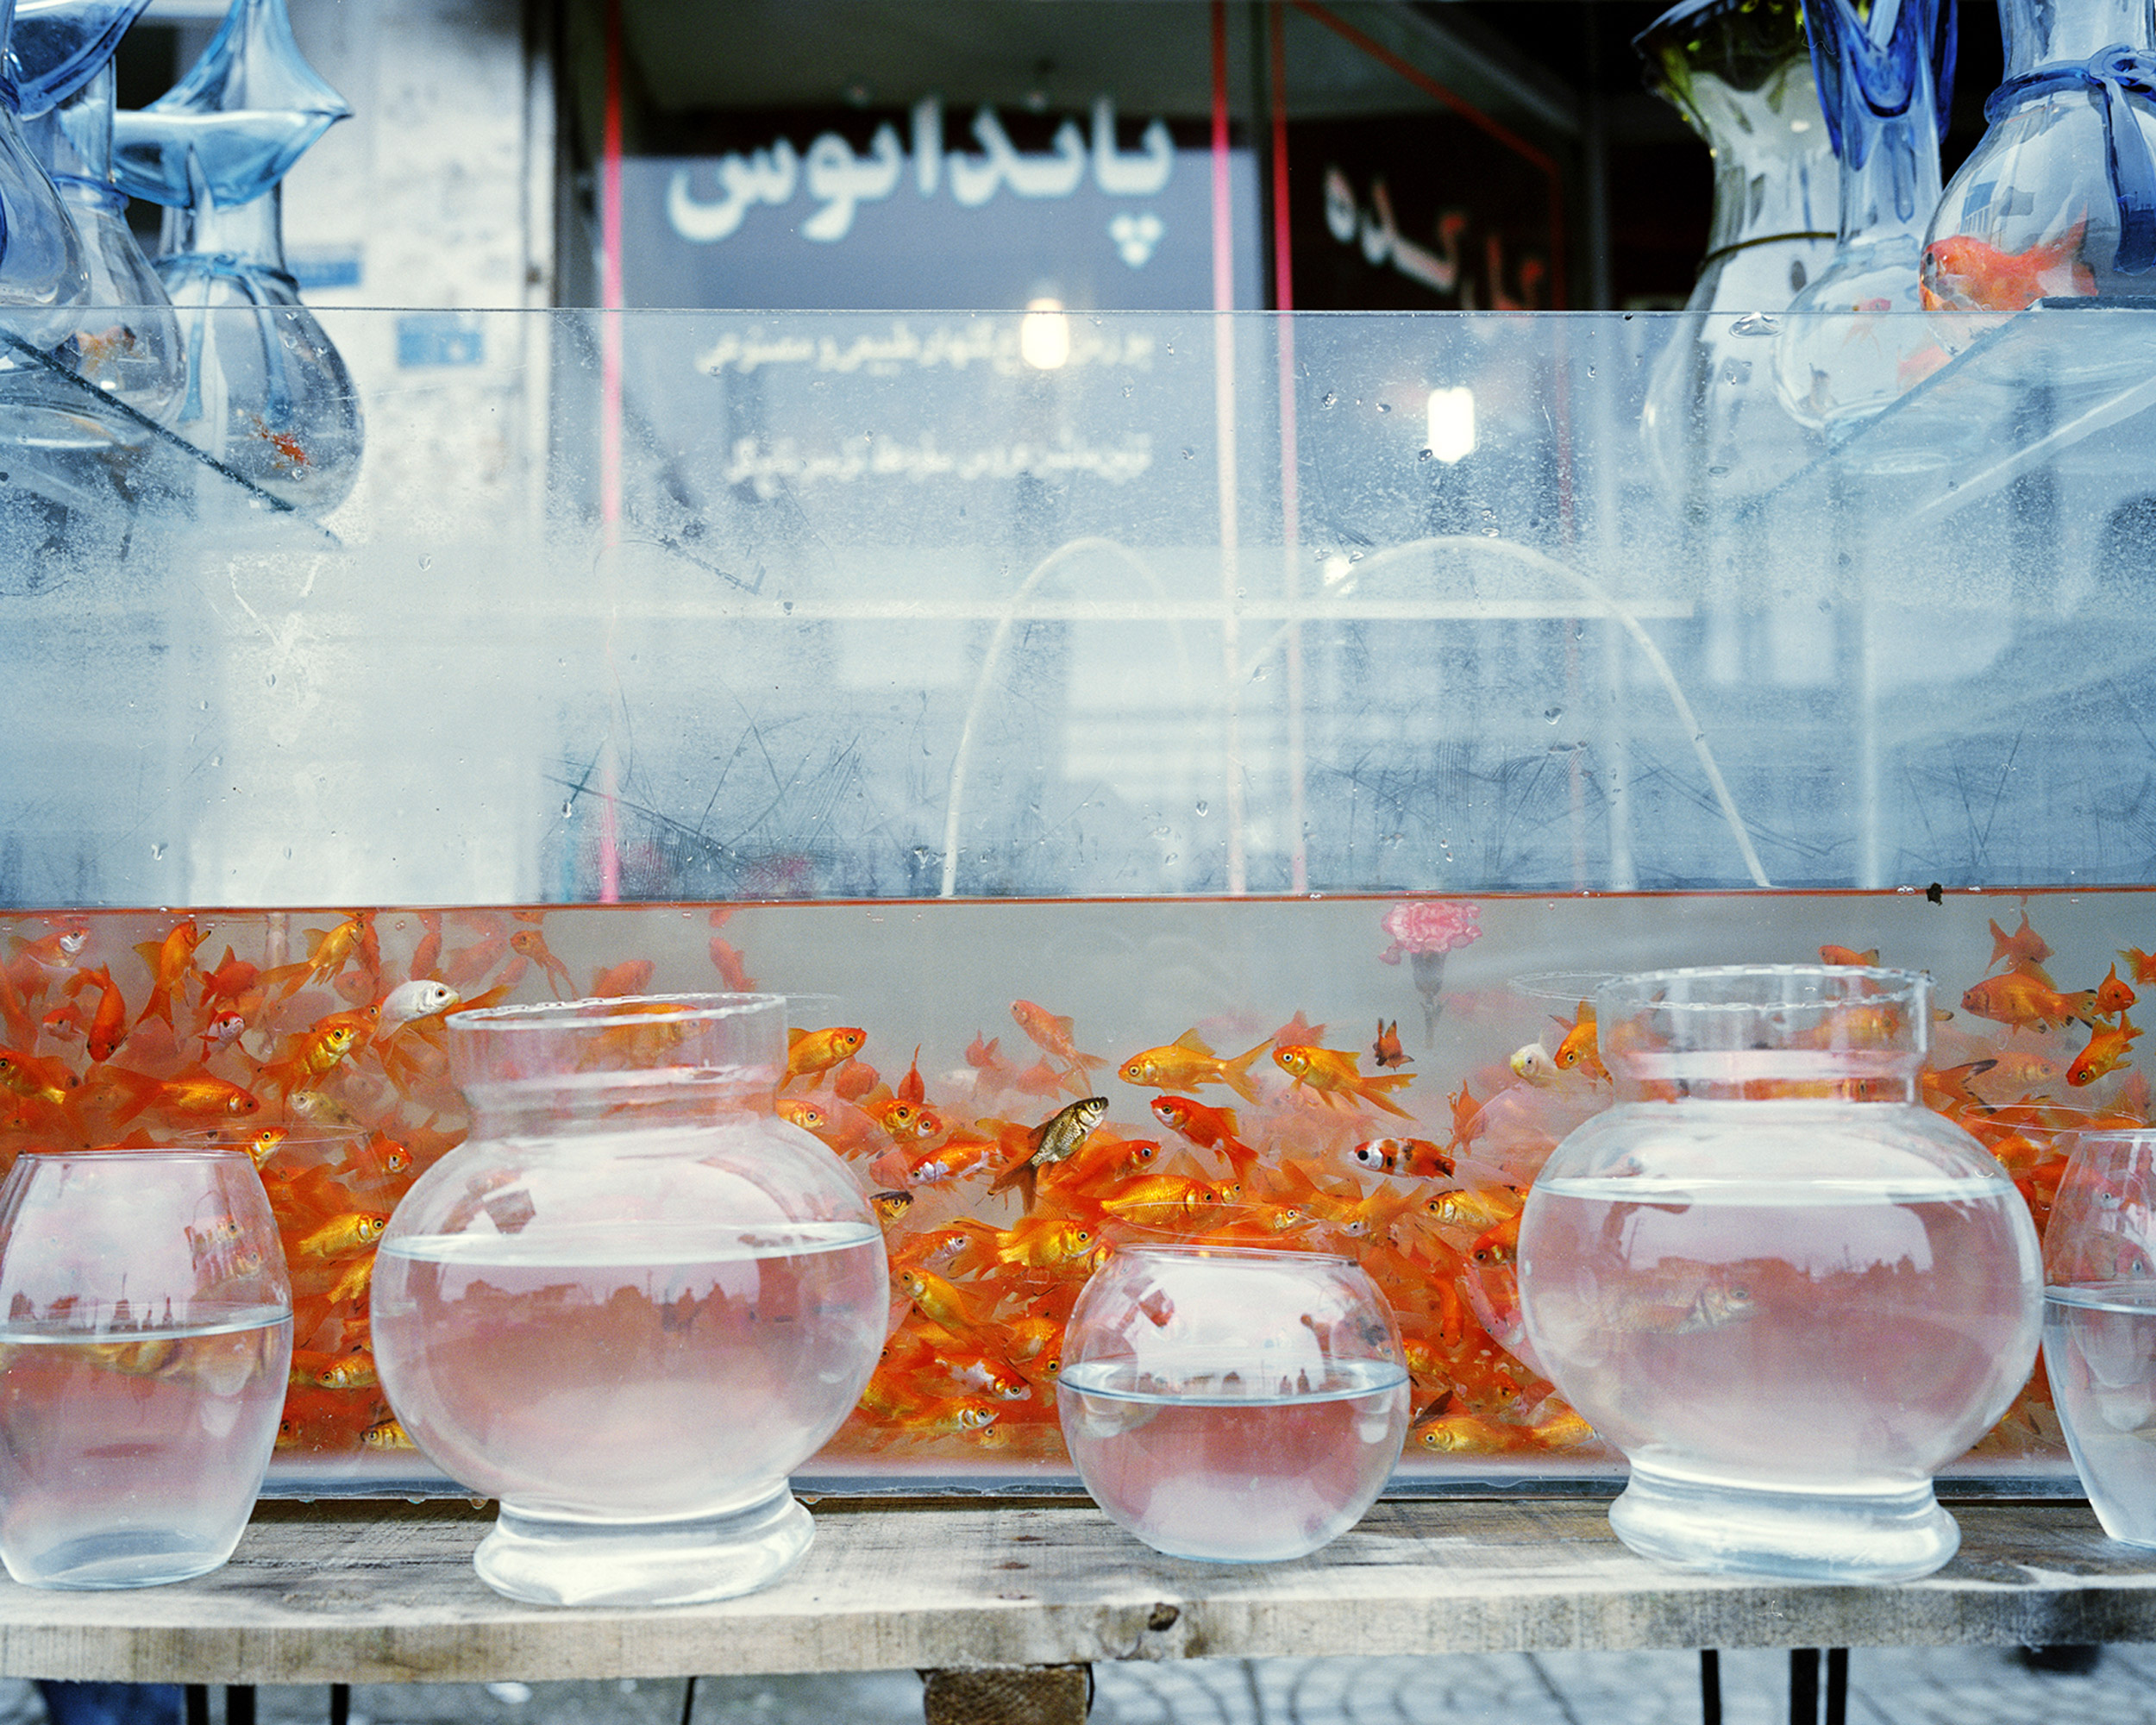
column 1228, row 751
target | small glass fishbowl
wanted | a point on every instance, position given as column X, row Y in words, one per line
column 632, row 1301
column 1786, row 1291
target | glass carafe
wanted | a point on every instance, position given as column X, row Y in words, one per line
column 632, row 1301
column 1738, row 72
column 2059, row 200
column 1854, row 339
column 1786, row 1291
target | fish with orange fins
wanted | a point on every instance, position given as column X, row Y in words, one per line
column 170, row 960
column 193, row 1095
column 1410, row 1158
column 1208, row 1128
column 1188, row 1062
column 810, row 1051
column 32, row 1076
column 108, row 1023
column 2024, row 946
column 1052, row 1036
column 2025, row 997
column 2106, row 1052
column 2113, row 996
column 1849, row 955
column 1961, row 274
column 1577, row 1049
column 1386, row 1052
column 1056, row 1139
column 531, row 946
column 1333, row 1074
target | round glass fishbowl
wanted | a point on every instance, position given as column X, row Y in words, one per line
column 1786, row 1291
column 1233, row 1403
column 632, row 1301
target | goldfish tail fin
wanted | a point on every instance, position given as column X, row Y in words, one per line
column 1235, row 1073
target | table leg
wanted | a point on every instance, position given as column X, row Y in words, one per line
column 197, row 1704
column 1803, row 1686
column 1837, row 1686
column 1008, row 1695
column 340, row 1703
column 1710, row 1686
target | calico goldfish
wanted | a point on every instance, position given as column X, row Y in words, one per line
column 810, row 1051
column 2106, row 1052
column 1411, row 1158
column 1056, row 1139
column 1207, row 1128
column 1960, row 273
column 220, row 1032
column 1333, row 1074
column 1187, row 1063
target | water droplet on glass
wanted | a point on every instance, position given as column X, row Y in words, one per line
column 157, row 853
column 568, row 809
column 1756, row 323
column 1201, row 809
column 270, row 680
column 1329, row 399
column 426, row 559
column 1590, row 371
column 1551, row 715
column 1718, row 472
column 1425, row 454
column 1384, row 407
column 1190, row 454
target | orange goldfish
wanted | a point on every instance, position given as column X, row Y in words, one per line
column 387, row 1434
column 197, row 1094
column 531, row 946
column 1161, row 1195
column 220, row 1032
column 353, row 1284
column 1467, row 1209
column 1042, row 1242
column 853, row 1080
column 2144, row 964
column 348, row 1232
column 1386, row 1052
column 229, row 982
column 309, row 1055
column 939, row 1301
column 2024, row 946
column 631, row 976
column 29, row 1075
column 980, row 1054
column 2025, row 997
column 109, row 1025
column 427, row 953
column 1578, row 1047
column 329, row 950
column 1467, row 1434
column 1959, row 273
column 804, row 1114
column 1499, row 1244
column 1333, row 1073
column 169, row 961
column 947, row 1161
column 1466, row 1111
column 64, row 1023
column 1207, row 1128
column 890, row 1207
column 727, row 960
column 2106, row 1052
column 810, row 1051
column 1187, row 1062
column 1844, row 954
column 1411, row 1158
column 1052, row 1035
column 2113, row 996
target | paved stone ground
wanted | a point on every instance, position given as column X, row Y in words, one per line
column 1930, row 1686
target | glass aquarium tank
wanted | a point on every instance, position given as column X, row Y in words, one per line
column 1273, row 726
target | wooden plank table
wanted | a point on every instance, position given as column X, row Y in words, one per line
column 376, row 1592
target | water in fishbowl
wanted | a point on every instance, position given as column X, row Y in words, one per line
column 621, row 1373
column 1816, row 1336
column 1209, row 1468
column 2100, row 1353
column 133, row 1457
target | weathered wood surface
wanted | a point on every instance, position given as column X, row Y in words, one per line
column 386, row 1592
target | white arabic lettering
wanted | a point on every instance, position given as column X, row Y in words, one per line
column 988, row 342
column 769, row 469
column 765, row 178
column 842, row 181
column 1382, row 242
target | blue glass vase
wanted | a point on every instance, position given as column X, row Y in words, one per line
column 58, row 45
column 267, row 393
column 1849, row 347
column 41, row 263
column 2059, row 201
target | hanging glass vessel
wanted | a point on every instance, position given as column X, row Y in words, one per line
column 57, row 46
column 40, row 259
column 1846, row 350
column 267, row 393
column 1738, row 72
column 2059, row 201
column 126, row 342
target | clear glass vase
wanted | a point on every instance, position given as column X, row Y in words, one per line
column 142, row 1362
column 632, row 1301
column 1231, row 1404
column 2100, row 1324
column 1786, row 1291
column 1855, row 338
column 1738, row 72
column 2059, row 200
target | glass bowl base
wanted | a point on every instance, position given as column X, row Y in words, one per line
column 550, row 1562
column 1891, row 1535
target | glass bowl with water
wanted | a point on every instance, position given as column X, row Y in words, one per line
column 142, row 1362
column 1230, row 1402
column 1784, row 1289
column 2100, row 1324
column 632, row 1301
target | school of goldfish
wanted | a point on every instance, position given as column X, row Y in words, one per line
column 1002, row 1179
